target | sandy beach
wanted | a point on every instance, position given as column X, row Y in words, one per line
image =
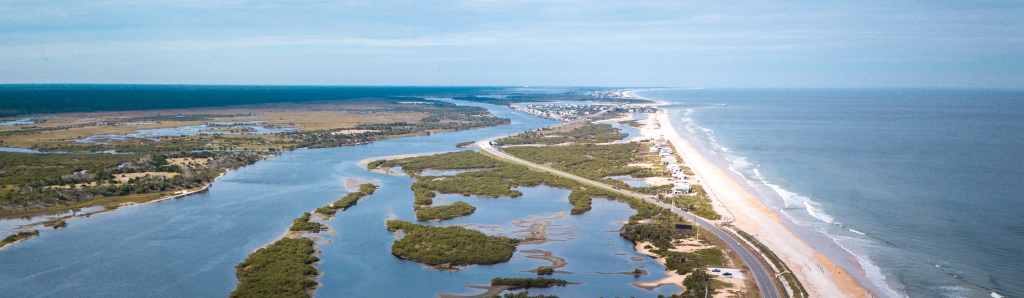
column 820, row 277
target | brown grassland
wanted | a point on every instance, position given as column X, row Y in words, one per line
column 299, row 116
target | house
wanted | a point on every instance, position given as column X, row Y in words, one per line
column 654, row 149
column 681, row 187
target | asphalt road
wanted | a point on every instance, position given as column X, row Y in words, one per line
column 761, row 275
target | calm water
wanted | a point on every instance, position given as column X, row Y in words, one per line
column 920, row 188
column 189, row 130
column 188, row 247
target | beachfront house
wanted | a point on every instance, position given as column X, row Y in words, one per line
column 681, row 187
column 654, row 149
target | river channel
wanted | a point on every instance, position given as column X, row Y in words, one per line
column 188, row 247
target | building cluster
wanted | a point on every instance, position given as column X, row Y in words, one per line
column 671, row 163
column 564, row 112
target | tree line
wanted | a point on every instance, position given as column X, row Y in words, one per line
column 39, row 178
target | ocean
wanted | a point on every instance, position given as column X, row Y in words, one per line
column 919, row 192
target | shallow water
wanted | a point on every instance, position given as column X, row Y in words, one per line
column 18, row 150
column 188, row 130
column 920, row 188
column 24, row 121
column 189, row 246
column 634, row 182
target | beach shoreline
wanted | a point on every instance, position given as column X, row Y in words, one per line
column 820, row 276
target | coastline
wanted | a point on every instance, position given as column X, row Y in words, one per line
column 182, row 194
column 119, row 205
column 820, row 276
column 366, row 162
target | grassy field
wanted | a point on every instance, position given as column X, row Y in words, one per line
column 60, row 128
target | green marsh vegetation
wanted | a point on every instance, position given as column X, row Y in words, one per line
column 498, row 177
column 367, row 188
column 303, row 224
column 18, row 236
column 348, row 200
column 278, row 270
column 176, row 144
column 60, row 224
column 443, row 212
column 464, row 144
column 497, row 180
column 595, row 162
column 54, row 182
column 578, row 134
column 631, row 123
column 374, row 164
column 536, row 282
column 450, row 245
column 523, row 294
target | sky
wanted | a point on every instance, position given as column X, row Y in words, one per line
column 711, row 44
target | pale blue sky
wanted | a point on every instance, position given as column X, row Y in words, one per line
column 554, row 43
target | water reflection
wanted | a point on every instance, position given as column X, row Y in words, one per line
column 189, row 246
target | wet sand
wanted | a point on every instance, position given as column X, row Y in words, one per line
column 820, row 277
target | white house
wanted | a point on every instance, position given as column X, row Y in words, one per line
column 681, row 187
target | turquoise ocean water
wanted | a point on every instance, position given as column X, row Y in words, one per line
column 919, row 192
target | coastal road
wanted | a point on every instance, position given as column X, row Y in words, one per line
column 761, row 275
